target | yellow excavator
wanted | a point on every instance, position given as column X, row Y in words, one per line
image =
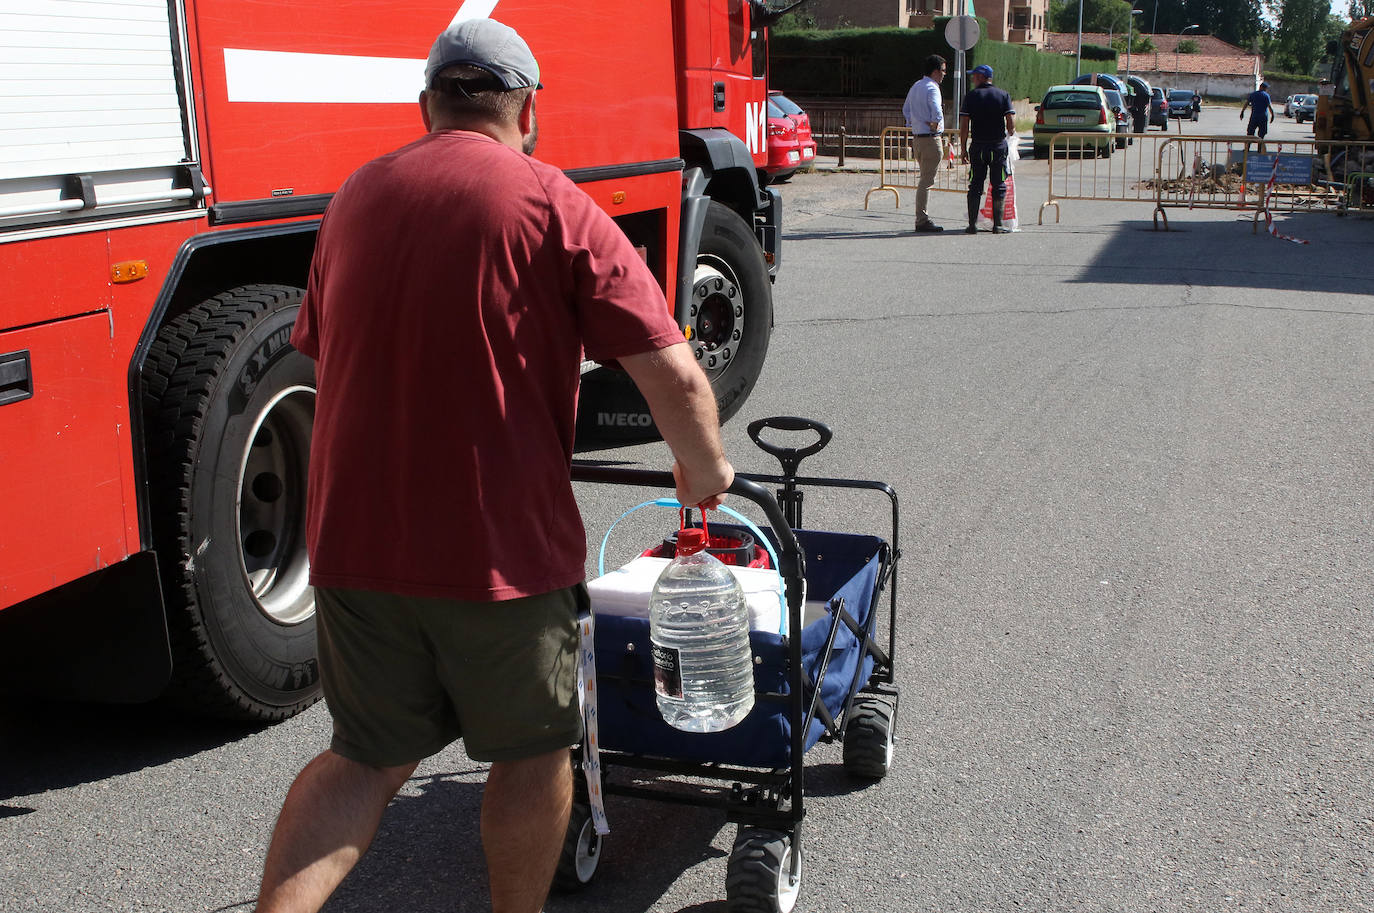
column 1344, row 123
column 1345, row 102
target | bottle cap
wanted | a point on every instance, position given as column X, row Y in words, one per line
column 690, row 541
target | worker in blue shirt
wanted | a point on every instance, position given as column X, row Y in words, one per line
column 1261, row 111
column 925, row 115
column 987, row 113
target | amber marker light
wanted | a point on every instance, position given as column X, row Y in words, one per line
column 128, row 271
column 618, row 197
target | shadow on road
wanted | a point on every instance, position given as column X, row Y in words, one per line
column 1230, row 254
column 50, row 745
column 427, row 856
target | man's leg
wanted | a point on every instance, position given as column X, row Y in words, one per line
column 998, row 178
column 524, row 817
column 928, row 159
column 329, row 818
column 978, row 172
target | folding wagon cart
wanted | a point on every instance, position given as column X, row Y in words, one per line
column 833, row 681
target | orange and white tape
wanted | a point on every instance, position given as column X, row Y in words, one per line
column 1269, row 192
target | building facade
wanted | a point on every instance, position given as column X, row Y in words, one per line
column 1011, row 21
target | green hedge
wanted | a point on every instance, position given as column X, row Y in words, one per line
column 1292, row 77
column 885, row 62
column 1099, row 52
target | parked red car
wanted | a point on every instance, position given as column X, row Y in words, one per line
column 790, row 144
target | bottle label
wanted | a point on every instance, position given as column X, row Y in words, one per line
column 667, row 670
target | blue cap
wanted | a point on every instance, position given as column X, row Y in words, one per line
column 982, row 70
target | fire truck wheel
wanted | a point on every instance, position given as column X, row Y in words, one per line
column 731, row 311
column 229, row 406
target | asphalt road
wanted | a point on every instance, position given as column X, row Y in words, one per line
column 1134, row 639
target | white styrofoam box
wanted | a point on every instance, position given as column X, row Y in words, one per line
column 625, row 591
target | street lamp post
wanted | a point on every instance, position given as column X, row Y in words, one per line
column 1186, row 28
column 1130, row 21
column 1078, row 66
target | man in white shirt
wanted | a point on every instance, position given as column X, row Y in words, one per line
column 925, row 115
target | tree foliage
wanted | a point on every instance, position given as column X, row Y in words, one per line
column 1187, row 46
column 795, row 22
column 1140, row 44
column 1098, row 15
column 1236, row 21
column 1299, row 38
column 1358, row 9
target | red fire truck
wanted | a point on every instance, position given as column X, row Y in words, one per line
column 163, row 168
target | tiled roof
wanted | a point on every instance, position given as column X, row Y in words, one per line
column 1233, row 62
column 1208, row 45
column 1196, row 63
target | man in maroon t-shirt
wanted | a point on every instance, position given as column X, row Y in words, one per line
column 456, row 285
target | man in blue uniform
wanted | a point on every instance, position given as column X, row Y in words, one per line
column 1261, row 111
column 988, row 114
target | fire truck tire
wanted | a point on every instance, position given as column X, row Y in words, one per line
column 228, row 406
column 731, row 311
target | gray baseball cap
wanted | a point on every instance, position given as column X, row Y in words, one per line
column 488, row 44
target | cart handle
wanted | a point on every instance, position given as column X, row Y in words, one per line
column 790, row 562
column 790, row 457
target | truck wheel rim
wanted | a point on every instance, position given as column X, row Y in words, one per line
column 717, row 314
column 271, row 507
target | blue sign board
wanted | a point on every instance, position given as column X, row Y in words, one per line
column 1293, row 168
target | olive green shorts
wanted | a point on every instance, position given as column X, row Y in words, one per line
column 405, row 676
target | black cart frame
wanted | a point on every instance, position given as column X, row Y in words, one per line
column 759, row 797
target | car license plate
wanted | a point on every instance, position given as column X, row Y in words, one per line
column 1071, row 118
column 808, row 152
column 792, row 158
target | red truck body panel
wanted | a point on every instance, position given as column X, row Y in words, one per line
column 270, row 117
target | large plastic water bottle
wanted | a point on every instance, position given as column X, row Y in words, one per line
column 699, row 631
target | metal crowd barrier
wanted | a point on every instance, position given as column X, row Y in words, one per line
column 1239, row 173
column 1088, row 166
column 898, row 169
column 1267, row 176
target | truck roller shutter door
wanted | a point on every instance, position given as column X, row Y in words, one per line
column 90, row 93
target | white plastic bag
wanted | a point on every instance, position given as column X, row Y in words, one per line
column 1009, row 204
column 1008, row 207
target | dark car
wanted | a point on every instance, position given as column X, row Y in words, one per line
column 1181, row 104
column 1159, row 108
column 1304, row 107
column 1117, row 105
column 1105, row 80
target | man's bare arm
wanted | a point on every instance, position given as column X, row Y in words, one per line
column 684, row 409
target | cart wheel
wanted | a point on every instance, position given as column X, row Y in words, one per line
column 868, row 738
column 581, row 851
column 758, row 877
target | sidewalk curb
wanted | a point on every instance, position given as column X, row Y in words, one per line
column 830, row 164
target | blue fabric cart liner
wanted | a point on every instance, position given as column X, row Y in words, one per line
column 838, row 566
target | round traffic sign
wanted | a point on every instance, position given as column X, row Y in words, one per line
column 962, row 32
